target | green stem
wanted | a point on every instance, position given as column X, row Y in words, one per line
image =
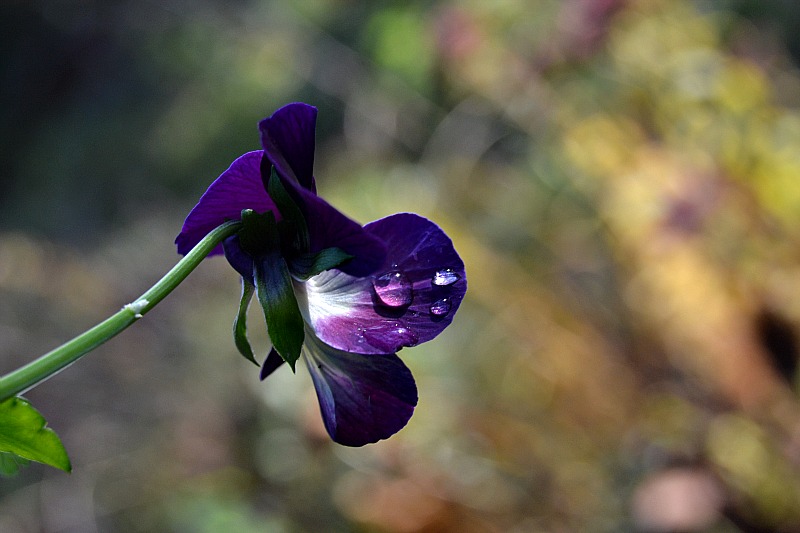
column 35, row 372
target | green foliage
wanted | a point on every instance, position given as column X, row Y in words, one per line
column 400, row 41
column 24, row 437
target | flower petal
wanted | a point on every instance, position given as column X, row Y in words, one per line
column 288, row 139
column 329, row 228
column 271, row 364
column 362, row 398
column 348, row 313
column 240, row 260
column 239, row 187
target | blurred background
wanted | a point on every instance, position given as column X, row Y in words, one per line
column 620, row 178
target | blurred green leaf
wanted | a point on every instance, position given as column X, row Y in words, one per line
column 23, row 434
column 400, row 41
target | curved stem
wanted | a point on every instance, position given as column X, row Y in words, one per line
column 37, row 371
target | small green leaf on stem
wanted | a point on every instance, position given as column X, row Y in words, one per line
column 23, row 432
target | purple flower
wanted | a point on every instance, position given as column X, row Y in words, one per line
column 343, row 296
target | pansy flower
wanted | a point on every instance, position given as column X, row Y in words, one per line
column 343, row 297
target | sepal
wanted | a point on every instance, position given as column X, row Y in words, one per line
column 308, row 265
column 276, row 296
column 260, row 239
column 240, row 323
column 293, row 227
column 259, row 234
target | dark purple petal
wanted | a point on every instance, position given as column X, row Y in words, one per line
column 328, row 228
column 239, row 187
column 288, row 140
column 362, row 398
column 348, row 313
column 240, row 260
column 271, row 364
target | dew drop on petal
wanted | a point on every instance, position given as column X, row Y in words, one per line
column 410, row 338
column 445, row 277
column 393, row 289
column 441, row 307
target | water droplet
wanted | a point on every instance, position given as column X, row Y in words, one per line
column 445, row 277
column 409, row 337
column 393, row 289
column 441, row 307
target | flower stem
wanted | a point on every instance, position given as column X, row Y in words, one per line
column 35, row 372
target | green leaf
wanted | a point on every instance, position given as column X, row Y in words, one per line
column 23, row 433
column 307, row 265
column 11, row 464
column 293, row 226
column 240, row 323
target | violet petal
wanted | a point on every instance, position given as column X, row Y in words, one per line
column 329, row 228
column 271, row 364
column 239, row 187
column 240, row 260
column 348, row 313
column 288, row 140
column 362, row 398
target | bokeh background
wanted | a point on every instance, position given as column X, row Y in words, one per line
column 620, row 178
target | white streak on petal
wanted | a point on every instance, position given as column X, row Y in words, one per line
column 338, row 307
